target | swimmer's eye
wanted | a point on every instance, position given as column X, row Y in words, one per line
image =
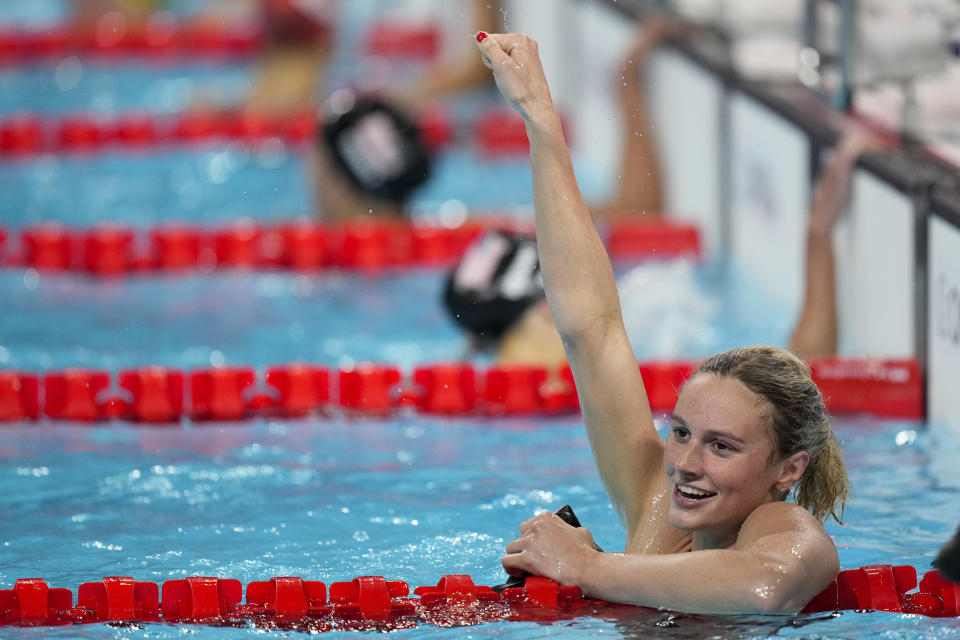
column 723, row 447
column 680, row 433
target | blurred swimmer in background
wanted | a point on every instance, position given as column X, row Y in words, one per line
column 287, row 75
column 290, row 73
column 370, row 155
column 368, row 159
column 815, row 332
column 301, row 37
column 495, row 293
column 457, row 71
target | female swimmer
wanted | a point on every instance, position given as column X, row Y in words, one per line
column 714, row 532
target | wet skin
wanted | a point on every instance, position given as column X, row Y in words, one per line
column 720, row 460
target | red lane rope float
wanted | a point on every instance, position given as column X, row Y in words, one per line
column 163, row 37
column 497, row 132
column 113, row 37
column 371, row 247
column 893, row 388
column 157, row 395
column 372, row 600
column 26, row 135
column 397, row 39
column 888, row 588
column 500, row 132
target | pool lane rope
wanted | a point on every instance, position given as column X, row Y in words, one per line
column 163, row 37
column 495, row 132
column 168, row 396
column 155, row 394
column 372, row 602
column 301, row 245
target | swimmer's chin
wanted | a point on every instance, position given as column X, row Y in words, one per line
column 679, row 526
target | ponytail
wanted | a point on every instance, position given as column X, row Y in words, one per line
column 824, row 488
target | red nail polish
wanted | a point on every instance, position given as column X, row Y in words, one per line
column 481, row 36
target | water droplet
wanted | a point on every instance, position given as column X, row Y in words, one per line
column 31, row 279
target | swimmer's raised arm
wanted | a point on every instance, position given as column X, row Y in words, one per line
column 582, row 294
column 815, row 333
column 639, row 192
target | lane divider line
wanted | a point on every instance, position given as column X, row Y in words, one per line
column 298, row 245
column 157, row 395
column 372, row 602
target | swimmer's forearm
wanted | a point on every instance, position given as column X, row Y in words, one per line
column 582, row 293
column 579, row 283
column 815, row 334
column 577, row 275
column 639, row 194
column 714, row 581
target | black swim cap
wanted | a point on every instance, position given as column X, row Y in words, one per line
column 375, row 145
column 496, row 280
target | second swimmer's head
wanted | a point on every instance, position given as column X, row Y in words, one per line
column 495, row 282
column 377, row 147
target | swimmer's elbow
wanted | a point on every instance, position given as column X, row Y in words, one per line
column 769, row 597
column 774, row 595
column 576, row 333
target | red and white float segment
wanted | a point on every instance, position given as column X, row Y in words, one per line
column 158, row 395
column 372, row 602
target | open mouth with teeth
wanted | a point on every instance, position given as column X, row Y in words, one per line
column 686, row 492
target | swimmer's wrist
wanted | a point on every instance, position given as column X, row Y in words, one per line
column 819, row 231
column 542, row 121
column 587, row 575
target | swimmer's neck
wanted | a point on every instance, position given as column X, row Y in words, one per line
column 368, row 212
column 532, row 340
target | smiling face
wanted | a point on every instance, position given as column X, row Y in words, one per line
column 720, row 459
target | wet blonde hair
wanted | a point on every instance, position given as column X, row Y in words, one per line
column 798, row 419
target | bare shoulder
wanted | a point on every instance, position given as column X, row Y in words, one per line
column 794, row 546
column 791, row 534
column 788, row 514
column 782, row 518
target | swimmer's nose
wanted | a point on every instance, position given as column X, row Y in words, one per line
column 688, row 462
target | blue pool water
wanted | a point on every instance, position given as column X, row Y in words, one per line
column 22, row 14
column 79, row 85
column 410, row 498
column 37, row 14
column 328, row 497
column 219, row 183
column 57, row 321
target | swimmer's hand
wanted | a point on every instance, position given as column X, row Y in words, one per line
column 834, row 184
column 551, row 548
column 515, row 61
